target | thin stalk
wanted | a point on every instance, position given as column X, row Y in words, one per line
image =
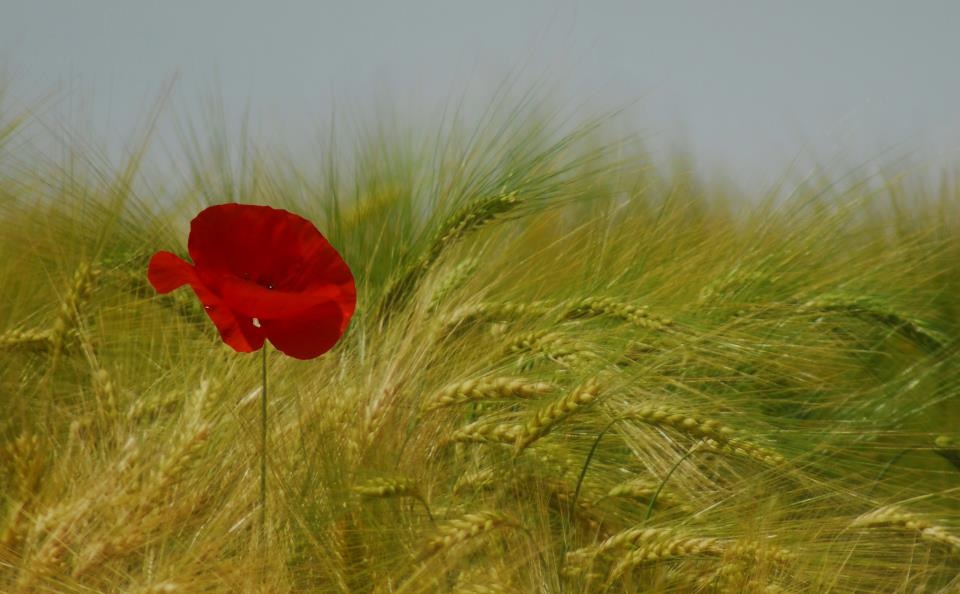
column 576, row 495
column 263, row 448
column 653, row 499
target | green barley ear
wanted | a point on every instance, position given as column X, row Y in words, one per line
column 873, row 310
column 459, row 275
column 949, row 448
column 470, row 218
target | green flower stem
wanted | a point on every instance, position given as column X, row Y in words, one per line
column 263, row 448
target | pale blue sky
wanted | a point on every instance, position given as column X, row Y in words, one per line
column 747, row 86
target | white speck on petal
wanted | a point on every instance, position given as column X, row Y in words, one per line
column 256, row 322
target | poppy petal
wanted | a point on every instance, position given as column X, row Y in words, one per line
column 260, row 244
column 331, row 271
column 309, row 335
column 256, row 301
column 167, row 272
column 236, row 330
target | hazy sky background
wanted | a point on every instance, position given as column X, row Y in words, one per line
column 747, row 86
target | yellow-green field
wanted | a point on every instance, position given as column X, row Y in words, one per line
column 570, row 371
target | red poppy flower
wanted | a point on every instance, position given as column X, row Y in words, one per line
column 263, row 273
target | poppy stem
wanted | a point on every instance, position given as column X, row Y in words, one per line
column 263, row 449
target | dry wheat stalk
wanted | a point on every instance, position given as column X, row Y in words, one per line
column 165, row 587
column 551, row 345
column 740, row 447
column 645, row 490
column 497, row 388
column 453, row 532
column 606, row 306
column 31, row 340
column 547, row 417
column 668, row 547
column 105, row 393
column 488, row 588
column 895, row 517
column 26, row 458
column 477, row 480
column 173, row 465
column 714, row 434
column 68, row 317
column 487, row 432
column 481, row 580
column 53, row 535
column 149, row 408
column 639, row 545
column 748, row 566
column 388, row 487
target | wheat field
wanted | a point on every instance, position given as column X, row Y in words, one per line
column 571, row 370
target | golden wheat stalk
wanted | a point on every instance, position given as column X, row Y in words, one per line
column 150, row 408
column 892, row 516
column 609, row 307
column 645, row 490
column 497, row 388
column 477, row 480
column 30, row 340
column 715, row 435
column 68, row 316
column 545, row 419
column 453, row 532
column 552, row 346
column 638, row 545
column 176, row 463
column 488, row 588
column 664, row 548
column 483, row 431
column 26, row 459
column 388, row 487
column 105, row 392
